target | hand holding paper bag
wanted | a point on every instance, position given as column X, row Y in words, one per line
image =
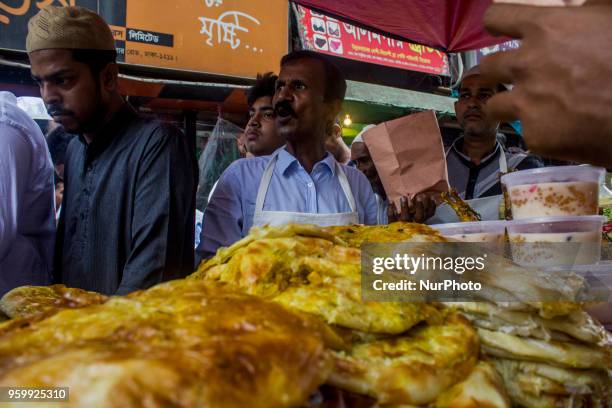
column 409, row 156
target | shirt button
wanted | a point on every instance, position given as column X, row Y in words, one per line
column 309, row 184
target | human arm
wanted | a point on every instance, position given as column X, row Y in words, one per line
column 223, row 217
column 15, row 159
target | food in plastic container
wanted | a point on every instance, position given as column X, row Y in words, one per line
column 477, row 231
column 553, row 191
column 551, row 241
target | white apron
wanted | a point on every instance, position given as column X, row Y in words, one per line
column 487, row 207
column 381, row 212
column 262, row 217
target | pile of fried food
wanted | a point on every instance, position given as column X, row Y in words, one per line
column 277, row 320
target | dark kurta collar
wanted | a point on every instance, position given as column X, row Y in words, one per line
column 107, row 134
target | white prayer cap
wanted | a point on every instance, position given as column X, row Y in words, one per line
column 359, row 137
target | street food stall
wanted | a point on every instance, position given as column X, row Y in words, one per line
column 307, row 316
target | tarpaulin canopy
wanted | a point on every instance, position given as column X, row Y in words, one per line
column 449, row 25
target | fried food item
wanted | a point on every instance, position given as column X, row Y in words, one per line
column 461, row 208
column 334, row 397
column 571, row 355
column 577, row 325
column 542, row 385
column 178, row 344
column 410, row 369
column 356, row 235
column 483, row 388
column 31, row 301
column 259, row 233
column 313, row 275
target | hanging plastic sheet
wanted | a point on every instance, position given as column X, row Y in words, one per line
column 220, row 151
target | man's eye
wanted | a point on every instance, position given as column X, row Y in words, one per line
column 268, row 115
column 62, row 80
column 300, row 86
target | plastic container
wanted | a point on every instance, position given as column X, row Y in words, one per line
column 552, row 241
column 554, row 191
column 477, row 231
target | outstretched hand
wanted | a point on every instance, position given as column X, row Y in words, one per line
column 562, row 78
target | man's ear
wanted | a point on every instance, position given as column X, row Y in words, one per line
column 109, row 77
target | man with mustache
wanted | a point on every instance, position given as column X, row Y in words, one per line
column 300, row 182
column 476, row 159
column 127, row 219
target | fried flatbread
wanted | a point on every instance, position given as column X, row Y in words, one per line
column 540, row 384
column 484, row 388
column 178, row 344
column 578, row 324
column 356, row 235
column 30, row 301
column 313, row 275
column 410, row 369
column 561, row 353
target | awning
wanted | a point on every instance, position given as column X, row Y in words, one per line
column 369, row 103
column 399, row 98
column 449, row 25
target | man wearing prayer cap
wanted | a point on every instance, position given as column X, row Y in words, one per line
column 127, row 219
column 476, row 159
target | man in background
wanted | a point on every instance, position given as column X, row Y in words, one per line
column 27, row 216
column 127, row 219
column 58, row 140
column 476, row 159
column 262, row 137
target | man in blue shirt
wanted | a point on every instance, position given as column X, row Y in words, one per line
column 300, row 182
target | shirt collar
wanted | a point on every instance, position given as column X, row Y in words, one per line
column 458, row 144
column 108, row 132
column 286, row 160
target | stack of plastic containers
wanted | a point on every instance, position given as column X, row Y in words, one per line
column 555, row 219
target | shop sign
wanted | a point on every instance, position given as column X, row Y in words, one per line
column 332, row 36
column 228, row 37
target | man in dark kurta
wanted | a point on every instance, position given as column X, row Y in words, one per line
column 127, row 219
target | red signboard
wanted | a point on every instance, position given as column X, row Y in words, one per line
column 328, row 35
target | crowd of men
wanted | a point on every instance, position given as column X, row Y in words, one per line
column 128, row 208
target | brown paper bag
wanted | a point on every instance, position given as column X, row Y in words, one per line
column 409, row 155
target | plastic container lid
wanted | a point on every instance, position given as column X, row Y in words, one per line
column 558, row 174
column 583, row 223
column 474, row 227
